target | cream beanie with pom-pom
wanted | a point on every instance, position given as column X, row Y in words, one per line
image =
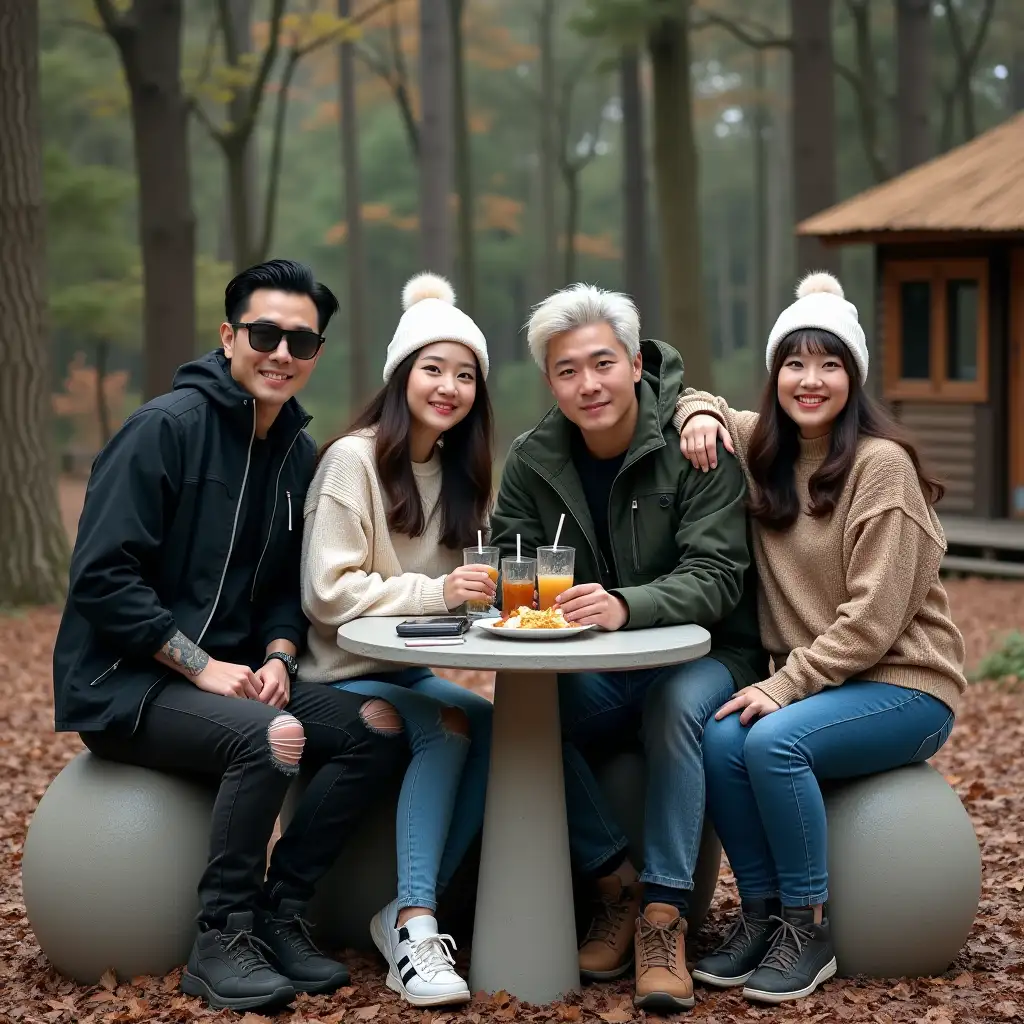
column 820, row 304
column 431, row 315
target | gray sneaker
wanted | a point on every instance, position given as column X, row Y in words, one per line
column 230, row 969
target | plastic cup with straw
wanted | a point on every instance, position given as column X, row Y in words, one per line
column 555, row 568
column 488, row 558
column 518, row 580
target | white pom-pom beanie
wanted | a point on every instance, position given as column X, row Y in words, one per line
column 431, row 315
column 820, row 304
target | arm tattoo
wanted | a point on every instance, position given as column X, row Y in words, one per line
column 183, row 652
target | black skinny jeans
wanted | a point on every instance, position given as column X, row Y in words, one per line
column 189, row 731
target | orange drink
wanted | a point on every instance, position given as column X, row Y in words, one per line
column 555, row 568
column 549, row 587
column 488, row 558
column 516, row 594
column 518, row 580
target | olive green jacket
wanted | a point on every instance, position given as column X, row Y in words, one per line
column 679, row 537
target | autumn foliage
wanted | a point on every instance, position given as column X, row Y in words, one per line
column 984, row 761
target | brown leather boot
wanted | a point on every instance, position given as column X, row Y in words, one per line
column 662, row 982
column 607, row 951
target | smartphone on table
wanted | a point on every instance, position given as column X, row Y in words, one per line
column 434, row 626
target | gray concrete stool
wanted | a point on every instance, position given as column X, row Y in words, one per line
column 904, row 873
column 363, row 879
column 110, row 867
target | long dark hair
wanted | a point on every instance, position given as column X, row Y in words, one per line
column 775, row 445
column 465, row 499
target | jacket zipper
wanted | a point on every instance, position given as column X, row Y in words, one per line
column 288, row 495
column 636, row 545
column 106, row 672
column 223, row 572
column 277, row 486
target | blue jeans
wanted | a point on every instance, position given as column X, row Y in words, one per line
column 669, row 707
column 441, row 804
column 763, row 793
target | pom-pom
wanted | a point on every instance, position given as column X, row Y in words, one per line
column 427, row 286
column 820, row 281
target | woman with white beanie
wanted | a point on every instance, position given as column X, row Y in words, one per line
column 393, row 502
column 868, row 664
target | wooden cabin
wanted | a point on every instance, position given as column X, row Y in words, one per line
column 948, row 238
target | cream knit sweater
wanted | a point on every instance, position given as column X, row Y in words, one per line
column 353, row 565
column 853, row 595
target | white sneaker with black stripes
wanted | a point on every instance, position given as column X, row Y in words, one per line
column 421, row 964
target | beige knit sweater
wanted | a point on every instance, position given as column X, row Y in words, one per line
column 854, row 595
column 353, row 565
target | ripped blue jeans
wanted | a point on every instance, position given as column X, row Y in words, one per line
column 441, row 804
column 668, row 707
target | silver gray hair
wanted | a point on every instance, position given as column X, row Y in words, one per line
column 577, row 306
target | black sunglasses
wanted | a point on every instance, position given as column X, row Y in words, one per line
column 265, row 337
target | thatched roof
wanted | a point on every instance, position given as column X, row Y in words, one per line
column 977, row 187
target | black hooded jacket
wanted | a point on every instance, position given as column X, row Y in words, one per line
column 159, row 524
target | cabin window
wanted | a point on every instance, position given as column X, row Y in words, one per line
column 936, row 329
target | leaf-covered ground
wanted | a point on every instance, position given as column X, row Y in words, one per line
column 984, row 760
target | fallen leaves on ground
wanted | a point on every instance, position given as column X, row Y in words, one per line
column 983, row 760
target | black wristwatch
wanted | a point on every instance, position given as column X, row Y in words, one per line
column 289, row 660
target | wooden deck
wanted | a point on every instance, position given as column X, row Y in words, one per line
column 984, row 547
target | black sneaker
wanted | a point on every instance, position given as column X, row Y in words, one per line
column 745, row 946
column 229, row 969
column 286, row 932
column 801, row 958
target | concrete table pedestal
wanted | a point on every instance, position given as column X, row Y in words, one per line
column 524, row 936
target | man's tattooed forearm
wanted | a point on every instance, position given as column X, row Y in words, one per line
column 183, row 652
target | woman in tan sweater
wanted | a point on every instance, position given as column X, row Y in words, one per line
column 392, row 504
column 868, row 665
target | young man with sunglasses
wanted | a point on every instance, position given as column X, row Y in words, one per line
column 177, row 647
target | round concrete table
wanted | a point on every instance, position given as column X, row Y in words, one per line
column 524, row 937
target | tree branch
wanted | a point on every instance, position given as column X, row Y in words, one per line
column 196, row 108
column 256, row 90
column 966, row 57
column 396, row 77
column 277, row 151
column 866, row 89
column 734, row 28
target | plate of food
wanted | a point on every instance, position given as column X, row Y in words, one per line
column 530, row 624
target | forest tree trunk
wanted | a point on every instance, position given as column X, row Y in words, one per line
column 435, row 137
column 634, row 186
column 148, row 37
column 913, row 89
column 463, row 163
column 355, row 243
column 242, row 180
column 240, row 204
column 548, row 149
column 33, row 544
column 676, row 174
column 758, row 326
column 571, row 180
column 813, row 126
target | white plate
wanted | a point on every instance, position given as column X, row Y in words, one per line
column 530, row 634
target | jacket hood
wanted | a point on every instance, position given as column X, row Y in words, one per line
column 663, row 371
column 211, row 376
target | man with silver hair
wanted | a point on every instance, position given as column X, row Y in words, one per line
column 657, row 543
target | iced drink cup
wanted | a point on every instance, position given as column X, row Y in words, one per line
column 554, row 573
column 518, row 581
column 489, row 557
